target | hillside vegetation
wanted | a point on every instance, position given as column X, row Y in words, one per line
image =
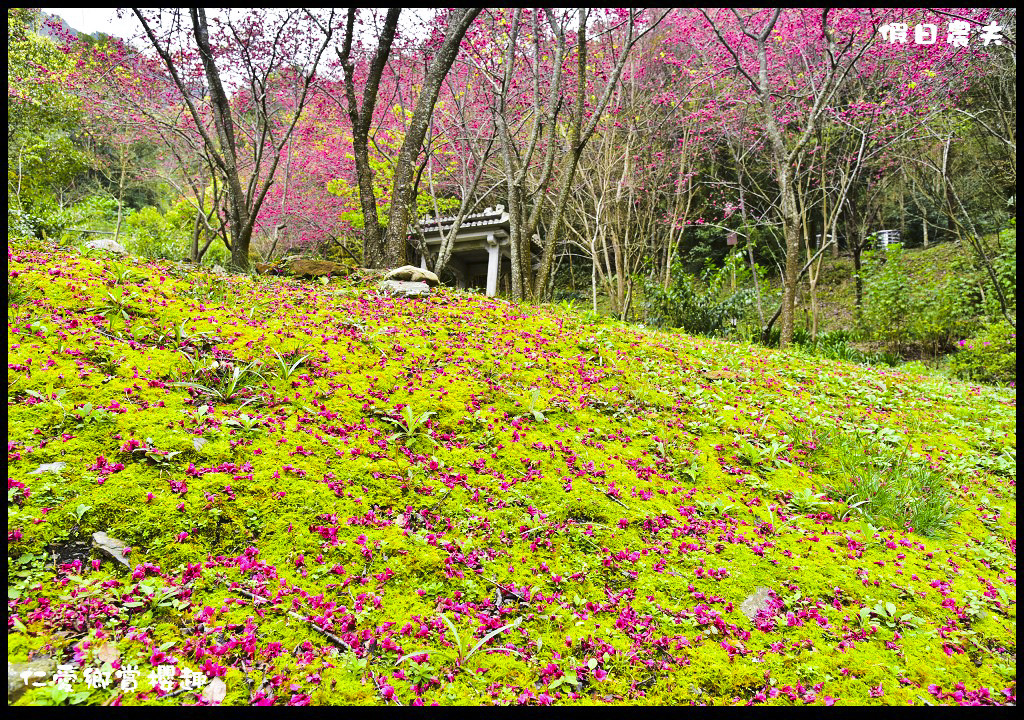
column 332, row 496
column 932, row 268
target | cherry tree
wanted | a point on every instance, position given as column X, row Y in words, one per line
column 402, row 196
column 250, row 130
column 794, row 64
column 524, row 59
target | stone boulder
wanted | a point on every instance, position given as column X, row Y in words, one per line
column 404, row 288
column 21, row 676
column 108, row 245
column 54, row 467
column 411, row 273
column 307, row 267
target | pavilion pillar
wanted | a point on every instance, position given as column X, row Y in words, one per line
column 493, row 263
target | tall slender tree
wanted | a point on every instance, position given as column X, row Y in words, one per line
column 404, row 191
column 260, row 47
column 361, row 117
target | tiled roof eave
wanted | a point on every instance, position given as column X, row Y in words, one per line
column 489, row 218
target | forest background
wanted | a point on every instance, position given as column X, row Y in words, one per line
column 725, row 172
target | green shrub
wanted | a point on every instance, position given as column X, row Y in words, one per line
column 903, row 314
column 91, row 211
column 46, row 217
column 686, row 303
column 153, row 234
column 836, row 345
column 1002, row 250
column 943, row 313
column 888, row 307
column 149, row 236
column 990, row 356
column 21, row 224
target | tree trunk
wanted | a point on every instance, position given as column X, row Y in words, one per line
column 194, row 247
column 858, row 281
column 403, row 193
column 791, row 232
column 360, row 117
column 120, row 196
column 373, row 245
column 239, row 212
column 554, row 227
column 516, row 241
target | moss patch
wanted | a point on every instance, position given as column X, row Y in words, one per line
column 579, row 520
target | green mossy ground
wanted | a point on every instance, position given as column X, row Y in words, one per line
column 607, row 494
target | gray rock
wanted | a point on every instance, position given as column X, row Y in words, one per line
column 111, row 547
column 218, row 270
column 108, row 245
column 405, row 289
column 411, row 273
column 34, row 671
column 49, row 468
column 755, row 603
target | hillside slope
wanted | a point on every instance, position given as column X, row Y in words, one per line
column 592, row 513
column 930, row 267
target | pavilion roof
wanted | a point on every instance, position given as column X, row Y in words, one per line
column 495, row 217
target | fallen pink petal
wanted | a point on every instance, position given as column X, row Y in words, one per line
column 512, row 356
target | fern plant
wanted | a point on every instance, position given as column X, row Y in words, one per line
column 533, row 410
column 805, row 501
column 119, row 273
